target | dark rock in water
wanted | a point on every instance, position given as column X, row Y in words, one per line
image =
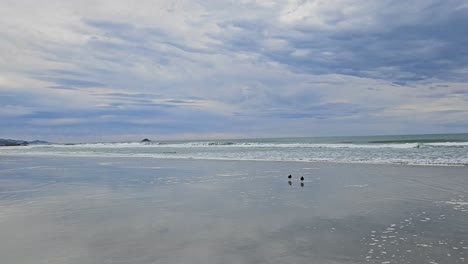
column 12, row 144
column 146, row 140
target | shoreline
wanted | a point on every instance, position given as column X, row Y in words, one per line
column 45, row 155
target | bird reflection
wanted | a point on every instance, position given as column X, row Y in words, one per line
column 290, row 183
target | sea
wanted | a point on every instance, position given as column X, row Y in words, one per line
column 431, row 149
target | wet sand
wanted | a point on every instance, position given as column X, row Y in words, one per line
column 115, row 210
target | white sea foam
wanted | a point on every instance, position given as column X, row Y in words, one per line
column 231, row 174
column 461, row 203
column 447, row 144
column 440, row 154
column 357, row 185
column 218, row 145
column 213, row 145
column 292, row 145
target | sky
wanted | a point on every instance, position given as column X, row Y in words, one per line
column 212, row 69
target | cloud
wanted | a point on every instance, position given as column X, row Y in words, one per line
column 252, row 68
column 12, row 110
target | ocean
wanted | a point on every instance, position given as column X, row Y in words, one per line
column 441, row 149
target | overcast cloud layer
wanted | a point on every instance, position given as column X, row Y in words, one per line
column 116, row 70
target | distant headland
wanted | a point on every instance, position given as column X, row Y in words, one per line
column 16, row 142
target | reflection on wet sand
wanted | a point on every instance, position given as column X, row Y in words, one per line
column 185, row 212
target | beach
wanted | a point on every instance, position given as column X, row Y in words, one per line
column 56, row 209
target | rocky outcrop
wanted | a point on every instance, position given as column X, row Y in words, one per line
column 16, row 142
column 12, row 142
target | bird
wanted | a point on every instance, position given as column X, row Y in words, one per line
column 302, row 178
column 289, row 177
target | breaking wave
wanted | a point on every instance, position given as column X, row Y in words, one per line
column 255, row 145
column 448, row 153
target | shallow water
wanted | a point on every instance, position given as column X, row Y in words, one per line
column 137, row 210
